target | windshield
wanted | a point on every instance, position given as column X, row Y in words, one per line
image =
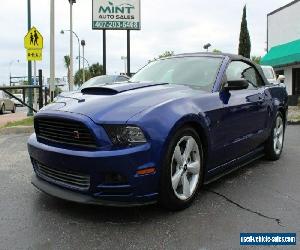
column 98, row 80
column 199, row 72
column 268, row 73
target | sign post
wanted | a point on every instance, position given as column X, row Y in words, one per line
column 34, row 43
column 104, row 52
column 30, row 113
column 116, row 15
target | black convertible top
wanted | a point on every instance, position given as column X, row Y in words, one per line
column 232, row 57
column 215, row 54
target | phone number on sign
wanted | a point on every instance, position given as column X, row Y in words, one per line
column 116, row 25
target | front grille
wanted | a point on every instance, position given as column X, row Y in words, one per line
column 73, row 180
column 64, row 131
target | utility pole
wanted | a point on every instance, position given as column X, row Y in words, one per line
column 29, row 113
column 124, row 58
column 52, row 49
column 71, row 44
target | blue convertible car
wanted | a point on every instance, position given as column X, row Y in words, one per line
column 179, row 123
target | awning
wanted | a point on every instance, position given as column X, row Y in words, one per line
column 281, row 55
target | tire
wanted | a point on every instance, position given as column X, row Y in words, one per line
column 2, row 110
column 14, row 109
column 181, row 175
column 274, row 145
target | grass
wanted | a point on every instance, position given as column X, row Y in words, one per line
column 25, row 122
column 297, row 118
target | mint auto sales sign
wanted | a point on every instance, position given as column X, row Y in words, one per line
column 116, row 14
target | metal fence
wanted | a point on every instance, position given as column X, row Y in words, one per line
column 24, row 88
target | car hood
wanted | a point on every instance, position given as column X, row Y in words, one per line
column 117, row 103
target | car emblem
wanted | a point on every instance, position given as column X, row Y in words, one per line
column 76, row 134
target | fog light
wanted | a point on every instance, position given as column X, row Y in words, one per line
column 146, row 171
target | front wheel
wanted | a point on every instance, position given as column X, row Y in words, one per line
column 274, row 144
column 182, row 172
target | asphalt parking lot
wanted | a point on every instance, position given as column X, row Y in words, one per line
column 262, row 197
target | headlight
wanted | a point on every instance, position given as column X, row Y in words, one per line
column 125, row 135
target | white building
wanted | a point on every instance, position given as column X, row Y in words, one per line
column 283, row 44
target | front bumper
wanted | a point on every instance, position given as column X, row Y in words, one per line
column 68, row 195
column 137, row 190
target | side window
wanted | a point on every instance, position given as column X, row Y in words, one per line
column 1, row 94
column 237, row 70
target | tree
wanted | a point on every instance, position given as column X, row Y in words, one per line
column 79, row 76
column 67, row 61
column 96, row 69
column 217, row 51
column 245, row 43
column 256, row 59
column 167, row 53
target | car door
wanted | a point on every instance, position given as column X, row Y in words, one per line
column 8, row 102
column 1, row 98
column 4, row 100
column 243, row 115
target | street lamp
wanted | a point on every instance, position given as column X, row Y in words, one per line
column 83, row 67
column 83, row 58
column 10, row 64
column 78, row 40
column 83, row 73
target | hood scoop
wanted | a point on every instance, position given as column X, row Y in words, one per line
column 99, row 91
column 114, row 89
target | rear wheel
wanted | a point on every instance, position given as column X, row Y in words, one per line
column 182, row 173
column 2, row 110
column 274, row 144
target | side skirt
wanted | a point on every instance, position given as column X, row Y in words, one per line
column 229, row 167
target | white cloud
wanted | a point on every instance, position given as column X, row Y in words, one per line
column 182, row 26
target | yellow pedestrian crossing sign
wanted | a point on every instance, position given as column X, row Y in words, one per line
column 33, row 39
column 34, row 43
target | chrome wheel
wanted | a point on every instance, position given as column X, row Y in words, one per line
column 278, row 135
column 185, row 167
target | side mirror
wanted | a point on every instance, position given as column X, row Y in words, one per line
column 236, row 85
column 281, row 78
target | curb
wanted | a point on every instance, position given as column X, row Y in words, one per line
column 17, row 130
column 293, row 122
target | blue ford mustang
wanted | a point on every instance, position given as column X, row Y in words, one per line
column 179, row 123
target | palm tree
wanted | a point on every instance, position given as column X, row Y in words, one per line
column 67, row 65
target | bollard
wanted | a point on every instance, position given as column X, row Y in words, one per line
column 46, row 93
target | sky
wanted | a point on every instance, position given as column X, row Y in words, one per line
column 176, row 25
